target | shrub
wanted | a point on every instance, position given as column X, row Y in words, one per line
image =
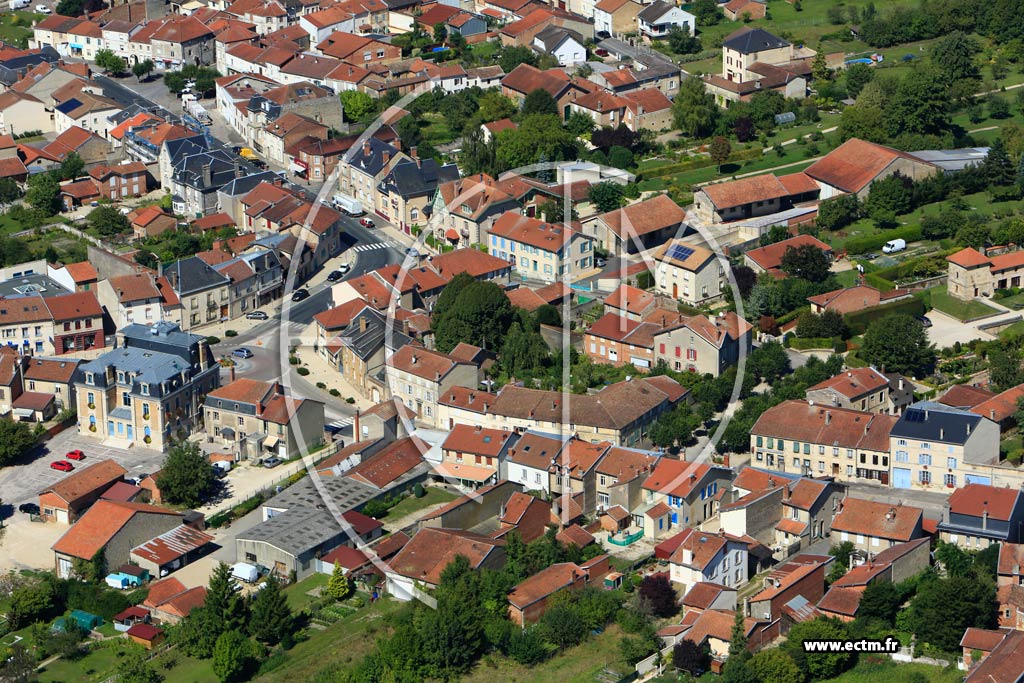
column 211, row 340
column 334, row 392
column 350, row 400
column 293, row 360
column 860, row 245
column 230, row 333
column 321, row 385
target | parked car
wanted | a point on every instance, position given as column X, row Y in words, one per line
column 344, row 268
column 600, row 262
column 43, row 9
column 271, row 462
column 870, row 257
column 335, row 275
column 300, row 294
column 75, row 455
column 412, row 251
column 601, row 52
column 925, row 322
column 242, row 352
column 62, row 465
column 29, row 508
column 257, row 315
column 366, row 223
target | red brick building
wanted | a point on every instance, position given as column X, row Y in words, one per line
column 121, row 181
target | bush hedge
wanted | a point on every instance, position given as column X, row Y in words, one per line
column 878, row 282
column 802, row 344
column 859, row 245
column 858, row 321
column 672, row 169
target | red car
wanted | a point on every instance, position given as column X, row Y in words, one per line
column 366, row 223
column 75, row 455
column 62, row 465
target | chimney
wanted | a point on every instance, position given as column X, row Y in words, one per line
column 942, row 433
column 926, row 415
column 239, row 173
column 479, row 429
column 991, row 416
column 891, row 514
column 485, row 407
column 901, row 384
column 385, row 156
column 785, row 492
column 414, row 153
column 231, row 373
column 366, row 148
column 414, row 359
column 968, row 430
column 362, row 328
column 984, row 517
column 207, row 175
column 355, row 427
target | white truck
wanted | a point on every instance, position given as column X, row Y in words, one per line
column 349, row 205
column 197, row 110
column 892, row 246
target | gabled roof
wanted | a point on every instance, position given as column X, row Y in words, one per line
column 878, row 520
column 427, row 553
column 524, row 79
column 817, row 424
column 100, row 524
column 645, row 217
column 770, row 257
column 390, row 463
column 85, row 481
column 976, row 499
column 854, row 164
column 854, row 383
column 750, row 40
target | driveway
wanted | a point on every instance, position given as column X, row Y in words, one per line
column 946, row 330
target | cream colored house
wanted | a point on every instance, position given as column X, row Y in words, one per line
column 418, row 377
column 689, row 273
column 541, row 251
column 20, row 113
column 140, row 298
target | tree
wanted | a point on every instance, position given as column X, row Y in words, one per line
column 694, row 111
column 356, row 104
column 20, row 666
column 606, row 196
column 9, row 191
column 70, row 8
column 71, row 167
column 898, row 343
column 523, row 350
column 480, row 315
column 539, row 138
column 682, row 42
column 339, row 586
column 512, row 56
column 692, row 658
column 736, row 666
column 857, row 76
column 539, row 101
column 720, row 150
column 880, row 600
column 579, row 124
column 142, row 69
column 706, row 12
column 775, row 666
column 109, row 62
column 186, row 477
column 232, row 656
column 944, row 608
column 806, row 261
column 658, row 592
column 134, row 668
column 953, row 54
column 998, row 167
column 819, row 70
column 16, row 439
column 563, row 626
column 33, row 601
column 44, row 193
column 440, row 32
column 838, row 212
column 223, row 602
column 494, row 106
column 818, row 665
column 109, row 221
column 1004, row 367
column 620, row 157
column 92, row 570
column 271, row 618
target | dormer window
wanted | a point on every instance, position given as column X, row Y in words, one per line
column 120, row 377
column 90, row 379
column 145, row 390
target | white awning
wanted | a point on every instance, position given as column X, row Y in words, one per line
column 270, row 442
column 296, row 168
column 24, row 412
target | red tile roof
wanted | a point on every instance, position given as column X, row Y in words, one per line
column 969, row 258
column 476, row 440
column 427, row 554
column 878, row 520
column 770, row 257
column 1002, row 406
column 854, row 164
column 545, row 583
column 976, row 499
column 99, row 525
column 644, row 217
column 676, row 477
column 85, row 481
column 391, row 463
column 547, row 237
column 817, row 424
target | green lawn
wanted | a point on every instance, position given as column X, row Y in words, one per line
column 961, row 310
column 872, row 669
column 174, row 666
column 1016, row 302
column 1014, row 330
column 411, row 504
column 16, row 27
column 298, row 593
column 342, row 643
column 581, row 664
column 98, row 665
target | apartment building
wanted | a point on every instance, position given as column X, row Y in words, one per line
column 418, row 377
column 38, row 325
column 541, row 251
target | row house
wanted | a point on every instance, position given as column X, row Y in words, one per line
column 32, row 384
column 418, row 377
column 275, row 137
column 266, row 17
column 128, row 179
column 706, row 557
column 359, row 50
column 541, row 251
column 85, row 110
column 52, row 325
column 1010, row 586
column 621, row 413
column 864, row 389
column 148, row 391
column 363, row 171
column 257, row 420
column 638, row 227
column 805, row 438
column 472, row 457
column 646, row 108
column 524, row 79
column 465, row 209
column 203, row 292
column 873, row 526
column 142, row 298
column 182, row 40
column 978, row 515
column 681, row 494
column 407, row 190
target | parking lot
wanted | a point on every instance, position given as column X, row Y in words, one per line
column 22, row 482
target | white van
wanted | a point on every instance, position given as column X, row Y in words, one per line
column 19, row 4
column 892, row 246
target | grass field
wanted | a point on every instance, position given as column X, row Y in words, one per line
column 97, row 665
column 961, row 310
column 411, row 504
column 872, row 669
column 16, row 27
column 298, row 593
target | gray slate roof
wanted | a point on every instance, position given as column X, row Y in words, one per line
column 754, row 40
column 935, row 422
column 192, row 274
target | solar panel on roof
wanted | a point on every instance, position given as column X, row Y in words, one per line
column 680, row 253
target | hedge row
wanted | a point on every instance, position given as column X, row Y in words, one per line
column 879, row 282
column 792, row 315
column 804, row 343
column 858, row 321
column 672, row 169
column 859, row 245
